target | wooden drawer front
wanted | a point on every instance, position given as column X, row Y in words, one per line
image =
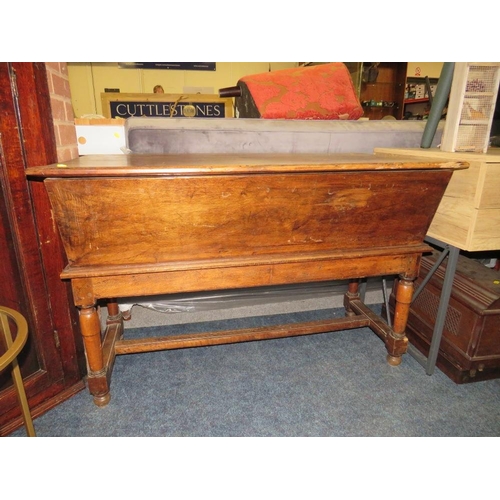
column 488, row 192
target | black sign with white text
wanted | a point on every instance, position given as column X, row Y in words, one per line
column 126, row 109
column 189, row 66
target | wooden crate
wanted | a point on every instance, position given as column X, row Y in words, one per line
column 470, row 346
column 468, row 216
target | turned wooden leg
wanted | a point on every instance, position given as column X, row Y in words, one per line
column 352, row 293
column 114, row 314
column 97, row 378
column 397, row 342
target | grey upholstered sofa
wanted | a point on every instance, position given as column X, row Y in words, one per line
column 251, row 135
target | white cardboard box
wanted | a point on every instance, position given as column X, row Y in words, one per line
column 100, row 136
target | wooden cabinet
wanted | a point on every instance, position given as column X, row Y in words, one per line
column 31, row 255
column 382, row 89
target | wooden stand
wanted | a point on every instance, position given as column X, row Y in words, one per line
column 137, row 225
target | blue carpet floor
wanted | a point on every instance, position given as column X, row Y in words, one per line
column 335, row 384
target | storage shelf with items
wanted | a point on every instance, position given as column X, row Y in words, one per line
column 382, row 89
column 471, row 107
column 417, row 102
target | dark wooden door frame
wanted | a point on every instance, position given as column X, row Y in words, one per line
column 35, row 251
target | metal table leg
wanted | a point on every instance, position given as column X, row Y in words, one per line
column 429, row 363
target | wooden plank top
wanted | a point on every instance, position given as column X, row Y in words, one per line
column 232, row 164
column 491, row 156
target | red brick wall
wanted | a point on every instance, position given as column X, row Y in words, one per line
column 62, row 111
